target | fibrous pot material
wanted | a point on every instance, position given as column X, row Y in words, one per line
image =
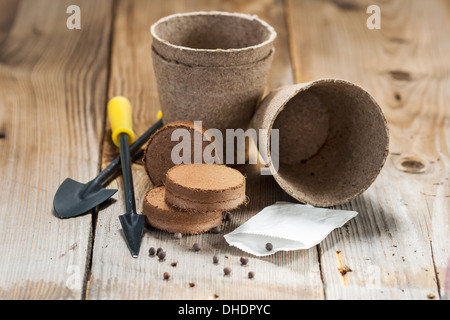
column 211, row 66
column 333, row 140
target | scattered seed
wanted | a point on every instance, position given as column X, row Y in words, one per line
column 151, row 251
column 191, row 284
column 166, row 276
column 161, row 255
column 174, row 264
column 158, row 251
column 177, row 235
column 196, row 247
column 226, row 271
column 228, row 216
column 269, row 246
column 251, row 275
column 215, row 260
column 244, row 260
column 216, row 229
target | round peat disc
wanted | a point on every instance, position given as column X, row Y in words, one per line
column 164, row 217
column 205, row 187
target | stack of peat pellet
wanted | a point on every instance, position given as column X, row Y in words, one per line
column 187, row 198
column 194, row 197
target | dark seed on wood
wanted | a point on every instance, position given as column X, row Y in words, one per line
column 161, row 255
column 196, row 247
column 244, row 260
column 226, row 271
column 251, row 275
column 166, row 276
column 152, row 251
column 228, row 216
column 215, row 259
column 269, row 246
column 216, row 229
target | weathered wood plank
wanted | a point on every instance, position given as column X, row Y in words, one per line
column 53, row 85
column 397, row 248
column 115, row 274
column 52, row 95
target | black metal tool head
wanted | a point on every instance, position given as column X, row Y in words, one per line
column 133, row 229
column 73, row 198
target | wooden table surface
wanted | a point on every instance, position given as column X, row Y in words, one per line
column 54, row 87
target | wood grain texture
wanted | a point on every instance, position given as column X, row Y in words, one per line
column 52, row 94
column 54, row 85
column 115, row 274
column 397, row 245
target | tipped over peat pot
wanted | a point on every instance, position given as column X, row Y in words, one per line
column 211, row 66
column 333, row 140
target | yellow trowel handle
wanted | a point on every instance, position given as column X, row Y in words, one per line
column 119, row 113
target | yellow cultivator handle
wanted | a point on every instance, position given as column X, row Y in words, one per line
column 119, row 113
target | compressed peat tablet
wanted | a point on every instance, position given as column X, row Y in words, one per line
column 205, row 187
column 158, row 153
column 173, row 220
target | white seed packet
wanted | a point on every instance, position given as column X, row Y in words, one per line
column 287, row 226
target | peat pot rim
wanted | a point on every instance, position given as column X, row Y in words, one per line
column 266, row 60
column 212, row 56
column 292, row 91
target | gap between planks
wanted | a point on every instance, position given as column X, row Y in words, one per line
column 95, row 211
